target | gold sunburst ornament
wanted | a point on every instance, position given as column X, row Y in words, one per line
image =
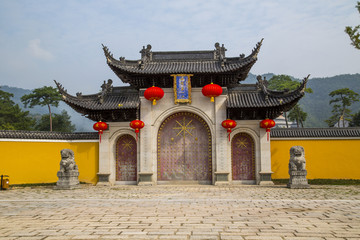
column 184, row 127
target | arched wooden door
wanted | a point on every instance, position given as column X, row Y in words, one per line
column 243, row 157
column 126, row 167
column 184, row 149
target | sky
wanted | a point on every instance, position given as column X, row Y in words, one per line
column 46, row 40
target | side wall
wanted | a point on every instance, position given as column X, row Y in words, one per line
column 38, row 161
column 325, row 158
column 35, row 161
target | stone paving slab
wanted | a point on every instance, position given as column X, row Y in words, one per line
column 181, row 212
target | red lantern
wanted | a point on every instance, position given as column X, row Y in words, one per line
column 137, row 125
column 153, row 94
column 267, row 123
column 211, row 91
column 229, row 124
column 100, row 126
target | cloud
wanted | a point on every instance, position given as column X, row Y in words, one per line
column 37, row 51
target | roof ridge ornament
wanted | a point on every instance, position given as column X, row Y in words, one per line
column 106, row 88
column 146, row 53
column 220, row 51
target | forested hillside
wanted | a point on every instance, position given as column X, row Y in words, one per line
column 315, row 104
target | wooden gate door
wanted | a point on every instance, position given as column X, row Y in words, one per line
column 184, row 149
column 126, row 158
column 243, row 157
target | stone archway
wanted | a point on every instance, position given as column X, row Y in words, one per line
column 126, row 167
column 184, row 149
column 243, row 157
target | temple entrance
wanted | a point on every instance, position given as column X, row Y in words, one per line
column 243, row 157
column 126, row 158
column 184, row 149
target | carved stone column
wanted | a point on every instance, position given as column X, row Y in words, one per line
column 104, row 159
column 223, row 163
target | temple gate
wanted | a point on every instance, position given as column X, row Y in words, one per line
column 184, row 149
column 126, row 158
column 243, row 157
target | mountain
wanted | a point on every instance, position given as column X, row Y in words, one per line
column 315, row 104
column 82, row 124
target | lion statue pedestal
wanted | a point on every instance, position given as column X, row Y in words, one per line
column 69, row 173
column 297, row 170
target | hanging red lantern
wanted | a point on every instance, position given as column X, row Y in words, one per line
column 137, row 125
column 267, row 123
column 228, row 124
column 211, row 90
column 153, row 93
column 100, row 126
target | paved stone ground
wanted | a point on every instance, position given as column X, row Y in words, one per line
column 181, row 212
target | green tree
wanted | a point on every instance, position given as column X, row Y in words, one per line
column 11, row 115
column 355, row 121
column 298, row 115
column 354, row 33
column 45, row 96
column 61, row 123
column 343, row 98
column 284, row 82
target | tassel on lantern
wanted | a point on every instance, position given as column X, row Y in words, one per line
column 137, row 125
column 228, row 124
column 267, row 123
column 100, row 127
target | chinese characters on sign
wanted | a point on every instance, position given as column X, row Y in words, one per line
column 182, row 88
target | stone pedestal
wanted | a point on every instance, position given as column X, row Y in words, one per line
column 298, row 179
column 68, row 180
column 265, row 178
column 145, row 178
column 221, row 178
column 103, row 179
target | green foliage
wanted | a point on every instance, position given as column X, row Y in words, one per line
column 45, row 96
column 298, row 115
column 317, row 104
column 354, row 33
column 61, row 123
column 11, row 115
column 342, row 100
column 285, row 82
column 355, row 121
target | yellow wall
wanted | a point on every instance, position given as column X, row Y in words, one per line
column 325, row 159
column 38, row 162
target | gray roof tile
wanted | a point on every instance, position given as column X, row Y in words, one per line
column 19, row 134
column 314, row 132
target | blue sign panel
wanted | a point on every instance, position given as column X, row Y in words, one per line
column 182, row 88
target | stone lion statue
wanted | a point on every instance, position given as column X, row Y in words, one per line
column 67, row 162
column 297, row 159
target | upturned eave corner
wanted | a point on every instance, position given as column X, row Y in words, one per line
column 256, row 50
column 263, row 85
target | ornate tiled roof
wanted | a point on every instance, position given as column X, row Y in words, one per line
column 111, row 104
column 18, row 134
column 126, row 97
column 314, row 132
column 141, row 73
column 252, row 101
